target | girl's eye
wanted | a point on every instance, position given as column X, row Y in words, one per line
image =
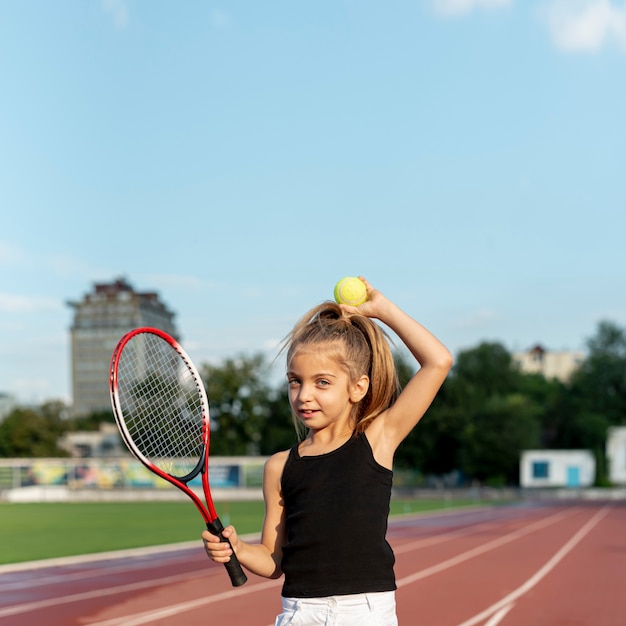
column 323, row 383
column 292, row 382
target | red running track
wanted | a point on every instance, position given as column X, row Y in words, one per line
column 531, row 565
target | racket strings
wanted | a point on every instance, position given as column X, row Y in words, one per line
column 161, row 404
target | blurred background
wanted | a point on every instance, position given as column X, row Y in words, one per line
column 215, row 167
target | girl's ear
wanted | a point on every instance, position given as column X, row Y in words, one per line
column 359, row 389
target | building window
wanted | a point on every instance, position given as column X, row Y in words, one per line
column 541, row 469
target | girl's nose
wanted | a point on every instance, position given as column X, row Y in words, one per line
column 304, row 393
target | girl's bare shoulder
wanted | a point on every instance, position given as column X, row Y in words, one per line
column 275, row 464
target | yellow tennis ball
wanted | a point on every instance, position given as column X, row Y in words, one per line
column 350, row 290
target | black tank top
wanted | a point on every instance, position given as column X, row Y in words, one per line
column 336, row 507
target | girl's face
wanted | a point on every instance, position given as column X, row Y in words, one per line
column 320, row 391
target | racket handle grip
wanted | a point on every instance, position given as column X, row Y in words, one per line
column 233, row 567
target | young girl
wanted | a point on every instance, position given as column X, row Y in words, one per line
column 327, row 499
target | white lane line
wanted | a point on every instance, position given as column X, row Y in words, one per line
column 499, row 616
column 500, row 610
column 78, row 559
column 149, row 617
column 98, row 593
column 431, row 541
column 124, row 567
column 32, row 606
column 533, row 580
column 169, row 580
column 474, row 552
column 95, row 557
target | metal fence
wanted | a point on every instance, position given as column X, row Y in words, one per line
column 120, row 473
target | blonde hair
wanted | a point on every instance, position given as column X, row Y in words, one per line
column 357, row 344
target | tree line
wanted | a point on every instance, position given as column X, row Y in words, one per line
column 485, row 415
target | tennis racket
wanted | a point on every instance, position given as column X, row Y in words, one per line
column 162, row 411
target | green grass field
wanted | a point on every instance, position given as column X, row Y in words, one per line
column 34, row 531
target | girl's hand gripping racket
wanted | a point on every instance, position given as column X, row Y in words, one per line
column 162, row 411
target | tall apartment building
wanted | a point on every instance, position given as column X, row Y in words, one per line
column 7, row 404
column 559, row 365
column 100, row 319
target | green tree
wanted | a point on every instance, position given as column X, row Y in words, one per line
column 32, row 433
column 434, row 446
column 505, row 412
column 545, row 394
column 495, row 436
column 277, row 430
column 239, row 395
column 483, row 372
column 600, row 384
column 594, row 399
column 92, row 421
column 485, row 414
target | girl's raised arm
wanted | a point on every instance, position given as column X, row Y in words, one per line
column 391, row 427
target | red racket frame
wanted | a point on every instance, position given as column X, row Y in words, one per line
column 208, row 512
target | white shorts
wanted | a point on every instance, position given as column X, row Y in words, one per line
column 364, row 609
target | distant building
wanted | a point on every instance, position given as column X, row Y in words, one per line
column 557, row 468
column 559, row 365
column 616, row 454
column 100, row 319
column 7, row 404
column 102, row 443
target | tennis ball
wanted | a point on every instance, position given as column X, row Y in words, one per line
column 350, row 290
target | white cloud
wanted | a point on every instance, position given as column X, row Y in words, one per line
column 462, row 7
column 477, row 320
column 67, row 266
column 118, row 9
column 11, row 303
column 12, row 255
column 220, row 19
column 585, row 25
column 173, row 281
column 23, row 262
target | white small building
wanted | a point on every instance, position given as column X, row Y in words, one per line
column 557, row 468
column 559, row 365
column 105, row 442
column 616, row 454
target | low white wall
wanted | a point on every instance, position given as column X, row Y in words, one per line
column 564, row 468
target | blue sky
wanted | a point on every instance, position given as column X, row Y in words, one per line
column 239, row 157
